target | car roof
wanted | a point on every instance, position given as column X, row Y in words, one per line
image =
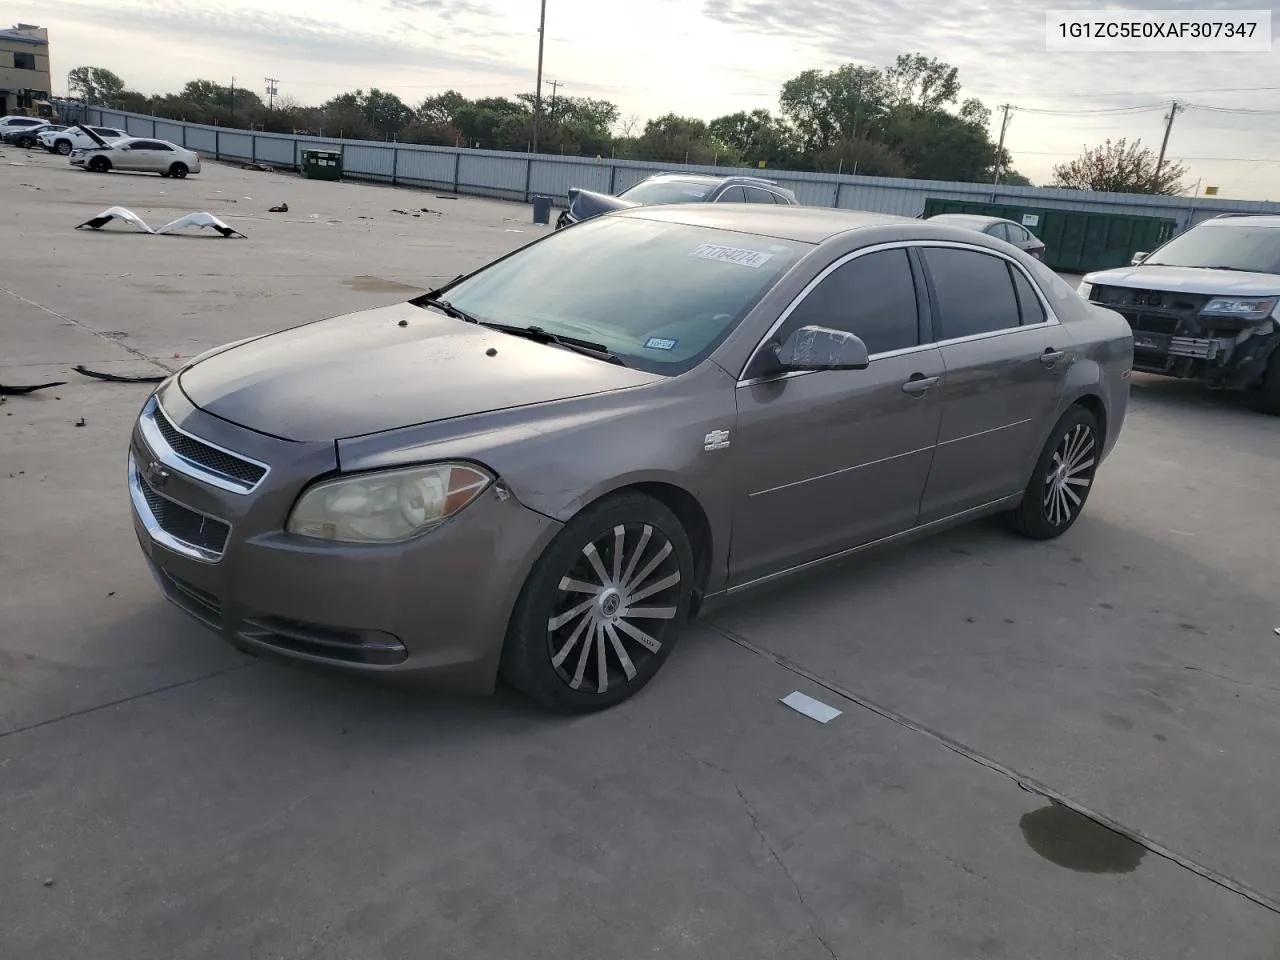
column 782, row 222
column 971, row 218
column 1251, row 219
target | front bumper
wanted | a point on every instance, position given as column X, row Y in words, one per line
column 435, row 608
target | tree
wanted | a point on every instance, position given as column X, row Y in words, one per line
column 1012, row 178
column 844, row 104
column 757, row 136
column 95, row 84
column 922, row 81
column 442, row 109
column 677, row 139
column 1120, row 167
column 938, row 145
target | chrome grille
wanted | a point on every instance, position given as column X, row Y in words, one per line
column 196, row 457
column 183, row 523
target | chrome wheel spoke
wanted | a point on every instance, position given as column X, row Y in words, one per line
column 578, row 586
column 1071, row 495
column 580, row 673
column 1079, row 481
column 619, row 541
column 649, row 567
column 627, row 666
column 635, row 557
column 593, row 557
column 639, row 636
column 602, row 665
column 657, row 587
column 555, row 623
column 651, row 613
column 1080, row 468
column 567, row 649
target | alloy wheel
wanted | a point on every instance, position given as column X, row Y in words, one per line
column 614, row 608
column 1070, row 475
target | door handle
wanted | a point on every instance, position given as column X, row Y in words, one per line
column 1050, row 357
column 919, row 384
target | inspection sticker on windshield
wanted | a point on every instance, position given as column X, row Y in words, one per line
column 747, row 258
column 660, row 343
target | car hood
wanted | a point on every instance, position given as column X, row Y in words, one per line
column 1189, row 280
column 584, row 204
column 365, row 373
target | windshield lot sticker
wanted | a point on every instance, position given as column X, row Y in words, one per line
column 747, row 258
column 660, row 343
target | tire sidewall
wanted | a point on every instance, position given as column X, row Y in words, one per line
column 100, row 165
column 178, row 170
column 1032, row 517
column 526, row 660
column 62, row 148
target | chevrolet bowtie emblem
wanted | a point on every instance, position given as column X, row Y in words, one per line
column 156, row 474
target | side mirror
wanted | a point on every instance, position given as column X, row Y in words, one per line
column 1138, row 258
column 821, row 348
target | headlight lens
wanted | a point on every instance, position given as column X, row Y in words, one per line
column 1246, row 308
column 1084, row 289
column 389, row 506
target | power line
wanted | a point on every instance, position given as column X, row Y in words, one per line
column 1152, row 93
column 1105, row 111
column 271, row 92
column 1056, row 153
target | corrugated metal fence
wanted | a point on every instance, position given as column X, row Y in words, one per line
column 518, row 176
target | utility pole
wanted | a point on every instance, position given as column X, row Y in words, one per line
column 271, row 92
column 233, row 98
column 537, row 94
column 1004, row 125
column 555, row 85
column 1164, row 144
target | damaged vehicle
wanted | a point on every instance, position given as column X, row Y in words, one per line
column 1205, row 305
column 64, row 141
column 545, row 482
column 664, row 188
column 137, row 155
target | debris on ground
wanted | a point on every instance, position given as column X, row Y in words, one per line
column 198, row 220
column 80, row 422
column 441, row 196
column 283, row 208
column 116, row 377
column 11, row 391
column 814, row 709
column 261, row 168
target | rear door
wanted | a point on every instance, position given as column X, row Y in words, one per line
column 833, row 459
column 733, row 194
column 149, row 155
column 1006, row 358
column 756, row 195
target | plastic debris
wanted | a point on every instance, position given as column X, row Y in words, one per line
column 198, row 220
column 814, row 709
column 283, row 208
column 116, row 377
column 11, row 391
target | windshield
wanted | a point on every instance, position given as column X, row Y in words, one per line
column 1237, row 247
column 651, row 192
column 661, row 296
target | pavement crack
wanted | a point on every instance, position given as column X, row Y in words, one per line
column 1235, row 680
column 129, row 699
column 814, row 921
column 1027, row 783
column 88, row 329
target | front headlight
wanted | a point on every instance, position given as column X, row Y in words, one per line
column 388, row 506
column 1084, row 289
column 1246, row 308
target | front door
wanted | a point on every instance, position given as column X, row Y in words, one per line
column 1006, row 360
column 830, row 460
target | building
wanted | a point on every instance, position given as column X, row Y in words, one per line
column 24, row 68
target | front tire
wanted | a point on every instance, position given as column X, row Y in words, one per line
column 1269, row 402
column 1062, row 479
column 62, row 148
column 100, row 165
column 27, row 142
column 602, row 608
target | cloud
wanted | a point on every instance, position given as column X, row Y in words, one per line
column 446, row 9
column 289, row 36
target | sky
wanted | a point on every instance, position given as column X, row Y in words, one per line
column 700, row 58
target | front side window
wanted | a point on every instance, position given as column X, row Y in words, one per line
column 872, row 297
column 661, row 296
column 1238, row 246
column 651, row 192
column 974, row 292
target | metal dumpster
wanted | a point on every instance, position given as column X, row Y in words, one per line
column 541, row 210
column 322, row 164
column 1075, row 241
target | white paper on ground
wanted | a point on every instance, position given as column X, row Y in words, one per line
column 810, row 707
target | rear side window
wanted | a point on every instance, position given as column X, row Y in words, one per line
column 1031, row 307
column 756, row 195
column 732, row 195
column 872, row 297
column 974, row 292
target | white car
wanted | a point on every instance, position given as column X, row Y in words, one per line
column 72, row 138
column 16, row 121
column 138, row 154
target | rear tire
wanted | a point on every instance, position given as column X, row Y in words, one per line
column 602, row 608
column 62, row 148
column 178, row 171
column 1270, row 400
column 1062, row 478
column 100, row 165
column 26, row 142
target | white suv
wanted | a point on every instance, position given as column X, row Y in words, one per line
column 73, row 138
column 1205, row 306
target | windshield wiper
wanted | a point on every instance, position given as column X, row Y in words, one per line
column 538, row 335
column 445, row 307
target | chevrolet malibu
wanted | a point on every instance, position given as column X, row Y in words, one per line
column 544, row 479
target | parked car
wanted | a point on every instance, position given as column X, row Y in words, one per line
column 506, row 476
column 665, row 188
column 19, row 122
column 140, row 155
column 1205, row 305
column 25, row 135
column 78, row 137
column 1005, row 230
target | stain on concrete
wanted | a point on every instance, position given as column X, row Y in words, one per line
column 1117, row 723
column 1075, row 842
column 378, row 285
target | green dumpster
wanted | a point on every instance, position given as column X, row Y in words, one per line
column 1075, row 241
column 322, row 164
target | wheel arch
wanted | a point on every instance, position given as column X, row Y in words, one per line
column 1094, row 404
